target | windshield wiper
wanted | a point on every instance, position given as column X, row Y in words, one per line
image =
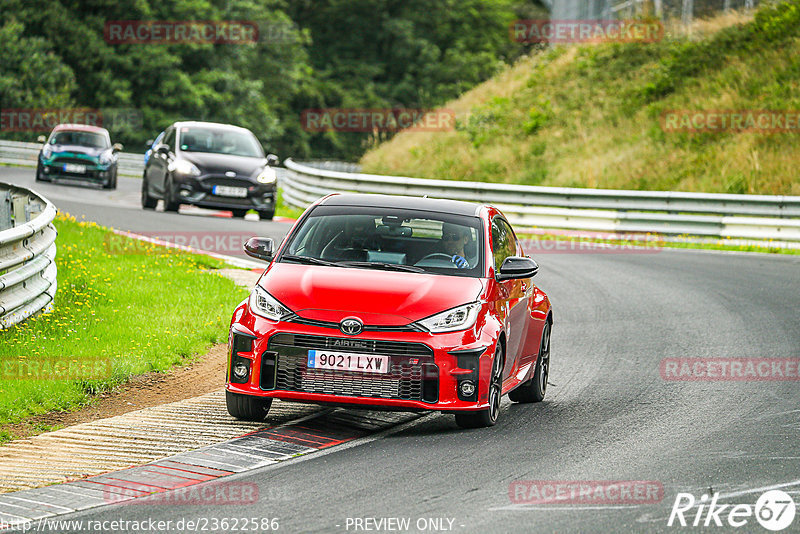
column 308, row 260
column 385, row 266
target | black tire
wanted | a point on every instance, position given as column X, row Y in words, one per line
column 169, row 198
column 247, row 407
column 148, row 202
column 40, row 173
column 112, row 181
column 488, row 417
column 239, row 214
column 534, row 389
column 266, row 215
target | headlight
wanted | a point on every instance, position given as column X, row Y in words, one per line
column 267, row 176
column 182, row 166
column 47, row 152
column 105, row 158
column 266, row 305
column 459, row 318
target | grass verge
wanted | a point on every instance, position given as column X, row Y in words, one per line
column 591, row 115
column 115, row 316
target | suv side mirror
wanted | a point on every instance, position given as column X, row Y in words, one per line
column 260, row 248
column 163, row 149
column 41, row 139
column 116, row 147
column 515, row 267
column 272, row 160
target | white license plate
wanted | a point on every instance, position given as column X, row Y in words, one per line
column 75, row 168
column 227, row 191
column 343, row 361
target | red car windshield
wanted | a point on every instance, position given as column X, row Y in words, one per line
column 389, row 238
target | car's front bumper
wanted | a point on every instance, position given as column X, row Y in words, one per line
column 94, row 172
column 426, row 370
column 200, row 192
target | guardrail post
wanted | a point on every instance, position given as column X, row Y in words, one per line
column 5, row 210
column 20, row 207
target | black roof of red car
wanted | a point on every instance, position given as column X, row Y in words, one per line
column 455, row 207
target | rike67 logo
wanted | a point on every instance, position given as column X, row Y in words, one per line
column 774, row 510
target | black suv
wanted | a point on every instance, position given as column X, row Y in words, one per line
column 212, row 166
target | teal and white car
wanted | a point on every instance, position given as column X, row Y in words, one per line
column 78, row 152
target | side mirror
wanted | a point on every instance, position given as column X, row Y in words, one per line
column 272, row 160
column 149, row 143
column 260, row 248
column 163, row 149
column 116, row 147
column 515, row 267
column 41, row 139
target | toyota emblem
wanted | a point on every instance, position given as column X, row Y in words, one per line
column 351, row 327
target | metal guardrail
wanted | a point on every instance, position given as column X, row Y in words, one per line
column 27, row 254
column 759, row 217
column 27, row 154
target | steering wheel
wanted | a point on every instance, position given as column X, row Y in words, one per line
column 438, row 256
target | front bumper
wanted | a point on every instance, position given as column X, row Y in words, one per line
column 94, row 172
column 426, row 370
column 200, row 192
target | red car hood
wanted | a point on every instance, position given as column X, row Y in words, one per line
column 380, row 298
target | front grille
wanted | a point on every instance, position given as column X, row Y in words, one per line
column 79, row 161
column 230, row 201
column 412, row 373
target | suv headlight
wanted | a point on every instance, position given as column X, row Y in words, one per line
column 267, row 176
column 47, row 152
column 265, row 305
column 459, row 318
column 105, row 158
column 181, row 166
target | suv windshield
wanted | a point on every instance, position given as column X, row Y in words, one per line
column 220, row 141
column 389, row 239
column 79, row 138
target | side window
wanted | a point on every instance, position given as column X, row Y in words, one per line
column 504, row 244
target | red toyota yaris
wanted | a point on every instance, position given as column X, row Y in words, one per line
column 389, row 302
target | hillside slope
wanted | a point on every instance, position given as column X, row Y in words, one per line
column 592, row 115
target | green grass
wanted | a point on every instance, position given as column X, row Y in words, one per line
column 590, row 115
column 284, row 210
column 126, row 313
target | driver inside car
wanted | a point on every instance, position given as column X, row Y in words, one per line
column 454, row 239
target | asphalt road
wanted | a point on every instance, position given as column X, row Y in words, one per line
column 609, row 415
column 122, row 209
